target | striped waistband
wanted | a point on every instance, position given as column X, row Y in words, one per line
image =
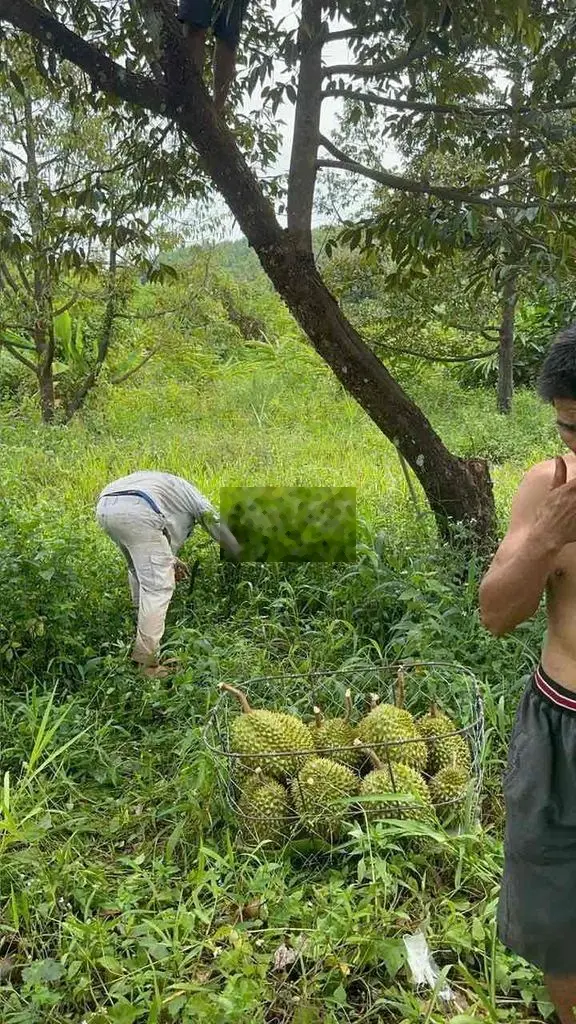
column 553, row 692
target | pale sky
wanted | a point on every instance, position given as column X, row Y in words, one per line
column 333, row 53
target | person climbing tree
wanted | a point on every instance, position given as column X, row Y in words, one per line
column 225, row 18
column 149, row 515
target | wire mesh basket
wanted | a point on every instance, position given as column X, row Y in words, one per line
column 321, row 800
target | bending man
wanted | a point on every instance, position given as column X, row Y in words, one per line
column 149, row 515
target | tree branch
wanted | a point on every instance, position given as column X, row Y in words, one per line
column 435, row 359
column 353, row 33
column 104, row 340
column 135, row 369
column 12, row 156
column 389, row 67
column 305, row 140
column 418, row 106
column 486, row 332
column 18, row 355
column 67, row 305
column 152, row 316
column 5, row 273
column 344, row 162
column 16, row 344
column 23, row 277
column 105, row 73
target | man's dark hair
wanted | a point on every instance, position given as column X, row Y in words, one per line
column 558, row 374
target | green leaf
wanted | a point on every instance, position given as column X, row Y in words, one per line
column 391, row 951
column 109, row 963
column 17, row 82
column 63, row 329
column 79, row 336
column 339, row 996
column 124, row 1013
column 43, row 971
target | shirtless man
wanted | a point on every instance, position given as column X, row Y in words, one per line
column 537, row 911
column 149, row 515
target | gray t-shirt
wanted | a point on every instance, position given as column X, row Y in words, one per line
column 181, row 504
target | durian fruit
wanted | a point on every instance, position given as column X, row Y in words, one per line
column 394, row 725
column 265, row 811
column 334, row 737
column 389, row 724
column 449, row 788
column 444, row 749
column 258, row 735
column 385, row 780
column 317, row 794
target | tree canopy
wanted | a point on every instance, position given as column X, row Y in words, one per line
column 431, row 67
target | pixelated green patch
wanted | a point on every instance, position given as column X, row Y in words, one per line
column 292, row 524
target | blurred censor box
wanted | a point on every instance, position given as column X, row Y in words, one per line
column 292, row 524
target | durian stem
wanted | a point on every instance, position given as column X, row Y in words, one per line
column 349, row 706
column 374, row 758
column 374, row 700
column 400, row 689
column 238, row 694
column 434, row 711
column 318, row 717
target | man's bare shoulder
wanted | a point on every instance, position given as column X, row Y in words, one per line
column 530, row 493
column 533, row 490
column 541, row 474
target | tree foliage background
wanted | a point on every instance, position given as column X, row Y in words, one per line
column 478, row 102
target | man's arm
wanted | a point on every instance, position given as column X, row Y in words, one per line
column 213, row 525
column 511, row 590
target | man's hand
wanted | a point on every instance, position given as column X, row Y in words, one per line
column 556, row 519
column 229, row 543
column 181, row 571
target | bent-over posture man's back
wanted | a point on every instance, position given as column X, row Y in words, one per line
column 149, row 515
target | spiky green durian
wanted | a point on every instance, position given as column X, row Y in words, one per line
column 274, row 741
column 449, row 788
column 266, row 814
column 446, row 747
column 384, row 781
column 334, row 737
column 319, row 795
column 392, row 733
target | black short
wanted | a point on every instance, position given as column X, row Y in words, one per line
column 224, row 17
column 537, row 910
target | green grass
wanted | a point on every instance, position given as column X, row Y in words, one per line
column 124, row 896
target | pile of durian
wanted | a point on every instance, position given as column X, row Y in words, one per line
column 309, row 779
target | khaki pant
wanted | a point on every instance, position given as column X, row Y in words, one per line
column 137, row 530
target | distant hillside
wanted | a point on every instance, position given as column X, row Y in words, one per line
column 237, row 258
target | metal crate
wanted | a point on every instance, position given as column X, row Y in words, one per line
column 453, row 688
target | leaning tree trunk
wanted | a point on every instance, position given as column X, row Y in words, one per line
column 457, row 490
column 506, row 346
